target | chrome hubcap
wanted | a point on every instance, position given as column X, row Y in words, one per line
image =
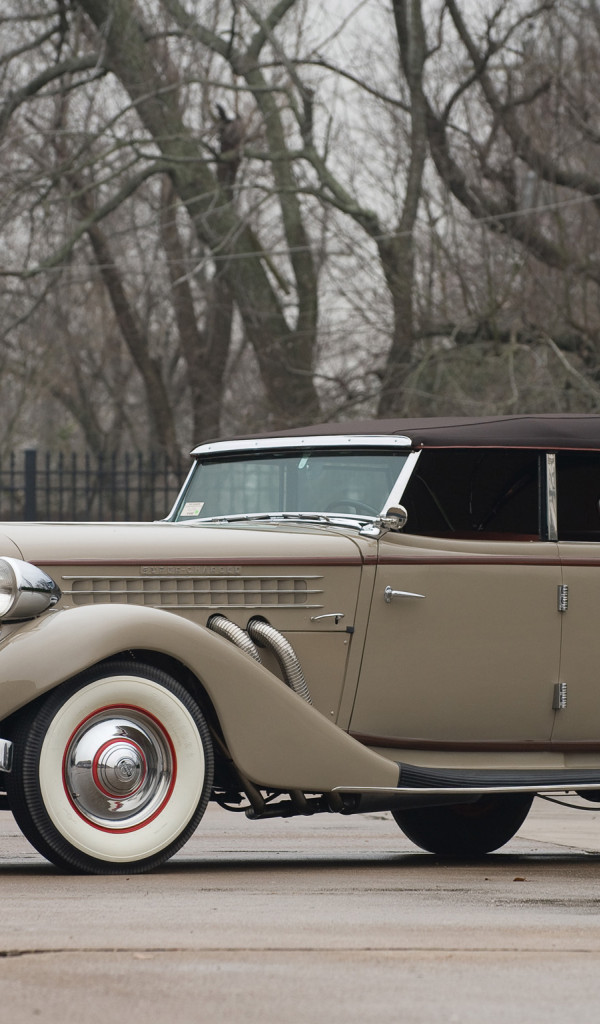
column 119, row 768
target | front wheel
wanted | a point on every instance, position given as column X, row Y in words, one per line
column 113, row 771
column 466, row 830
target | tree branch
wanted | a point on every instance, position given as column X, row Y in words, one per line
column 539, row 161
column 50, row 74
column 94, row 217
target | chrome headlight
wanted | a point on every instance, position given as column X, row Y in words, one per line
column 25, row 591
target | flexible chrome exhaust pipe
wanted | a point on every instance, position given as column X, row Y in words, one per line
column 271, row 638
column 238, row 636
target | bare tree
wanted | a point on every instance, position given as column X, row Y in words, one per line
column 101, row 171
column 511, row 143
column 235, row 214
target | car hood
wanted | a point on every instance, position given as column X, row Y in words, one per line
column 48, row 544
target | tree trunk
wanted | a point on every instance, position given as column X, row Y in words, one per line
column 284, row 357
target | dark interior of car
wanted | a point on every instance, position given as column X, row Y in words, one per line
column 475, row 493
column 578, row 476
column 495, row 493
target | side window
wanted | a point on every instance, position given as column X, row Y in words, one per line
column 475, row 493
column 578, row 495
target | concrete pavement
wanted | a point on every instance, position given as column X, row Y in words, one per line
column 327, row 919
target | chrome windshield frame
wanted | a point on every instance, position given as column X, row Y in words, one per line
column 395, row 495
column 254, row 446
column 306, row 441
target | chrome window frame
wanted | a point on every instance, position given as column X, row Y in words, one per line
column 271, row 444
column 551, row 497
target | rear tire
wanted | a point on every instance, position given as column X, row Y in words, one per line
column 466, row 830
column 113, row 771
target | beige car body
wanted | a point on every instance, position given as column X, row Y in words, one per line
column 130, row 600
column 440, row 652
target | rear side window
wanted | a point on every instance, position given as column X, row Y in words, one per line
column 578, row 495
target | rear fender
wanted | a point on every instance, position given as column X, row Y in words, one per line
column 275, row 738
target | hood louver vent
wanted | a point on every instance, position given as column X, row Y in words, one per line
column 197, row 591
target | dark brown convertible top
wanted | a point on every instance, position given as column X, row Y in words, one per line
column 558, row 430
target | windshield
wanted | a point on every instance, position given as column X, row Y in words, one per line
column 344, row 482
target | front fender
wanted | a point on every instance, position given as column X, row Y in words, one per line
column 275, row 738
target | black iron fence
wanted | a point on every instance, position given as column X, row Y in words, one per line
column 54, row 486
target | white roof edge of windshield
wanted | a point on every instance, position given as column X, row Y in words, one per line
column 332, row 441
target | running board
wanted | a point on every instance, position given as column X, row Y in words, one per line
column 430, row 786
column 500, row 779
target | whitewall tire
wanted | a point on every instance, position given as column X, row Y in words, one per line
column 113, row 771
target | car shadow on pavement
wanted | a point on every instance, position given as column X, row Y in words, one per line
column 252, row 864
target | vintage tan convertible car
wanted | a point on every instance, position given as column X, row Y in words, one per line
column 399, row 615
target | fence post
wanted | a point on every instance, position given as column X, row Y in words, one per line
column 30, row 484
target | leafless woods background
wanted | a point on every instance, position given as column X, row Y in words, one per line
column 219, row 215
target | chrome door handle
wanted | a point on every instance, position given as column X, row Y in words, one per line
column 389, row 594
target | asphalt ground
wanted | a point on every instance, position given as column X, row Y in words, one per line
column 324, row 919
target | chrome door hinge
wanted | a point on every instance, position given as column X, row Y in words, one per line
column 563, row 597
column 559, row 701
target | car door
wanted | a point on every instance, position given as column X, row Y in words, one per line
column 463, row 642
column 577, row 721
